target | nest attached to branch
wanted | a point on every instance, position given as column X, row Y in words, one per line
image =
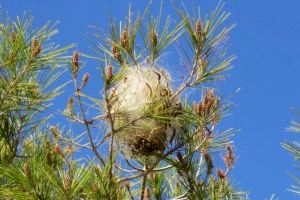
column 142, row 109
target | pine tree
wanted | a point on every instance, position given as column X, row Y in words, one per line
column 156, row 140
column 294, row 148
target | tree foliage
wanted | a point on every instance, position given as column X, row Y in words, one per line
column 294, row 148
column 181, row 158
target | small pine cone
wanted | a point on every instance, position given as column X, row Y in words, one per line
column 124, row 39
column 70, row 107
column 14, row 37
column 209, row 163
column 57, row 150
column 85, row 79
column 109, row 72
column 116, row 53
column 69, row 149
column 36, row 48
column 67, row 183
column 202, row 135
column 202, row 64
column 229, row 149
column 229, row 158
column 55, row 132
column 75, row 63
column 198, row 30
column 50, row 158
column 153, row 38
column 147, row 194
column 97, row 170
column 198, row 108
column 95, row 187
column 221, row 174
column 209, row 102
column 11, row 57
column 26, row 170
column 119, row 195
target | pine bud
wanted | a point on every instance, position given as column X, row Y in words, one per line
column 221, row 174
column 202, row 66
column 70, row 107
column 36, row 48
column 202, row 134
column 95, row 187
column 14, row 37
column 124, row 39
column 75, row 64
column 69, row 149
column 198, row 28
column 50, row 158
column 209, row 103
column 55, row 132
column 67, row 183
column 97, row 170
column 229, row 149
column 198, row 108
column 26, row 169
column 85, row 79
column 116, row 53
column 57, row 150
column 198, row 31
column 229, row 158
column 109, row 72
column 153, row 38
column 119, row 195
column 11, row 57
column 209, row 163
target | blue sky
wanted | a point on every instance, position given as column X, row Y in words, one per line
column 267, row 44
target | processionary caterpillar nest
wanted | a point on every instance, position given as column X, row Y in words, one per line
column 143, row 107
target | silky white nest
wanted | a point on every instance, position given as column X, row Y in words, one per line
column 142, row 90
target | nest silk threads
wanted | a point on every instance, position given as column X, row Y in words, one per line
column 142, row 89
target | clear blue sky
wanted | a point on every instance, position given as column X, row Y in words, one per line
column 267, row 44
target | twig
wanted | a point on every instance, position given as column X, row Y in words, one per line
column 112, row 130
column 186, row 83
column 100, row 117
column 126, row 170
column 130, row 165
column 103, row 139
column 162, row 168
column 152, row 167
column 86, row 124
column 130, row 194
column 76, row 143
column 143, row 185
